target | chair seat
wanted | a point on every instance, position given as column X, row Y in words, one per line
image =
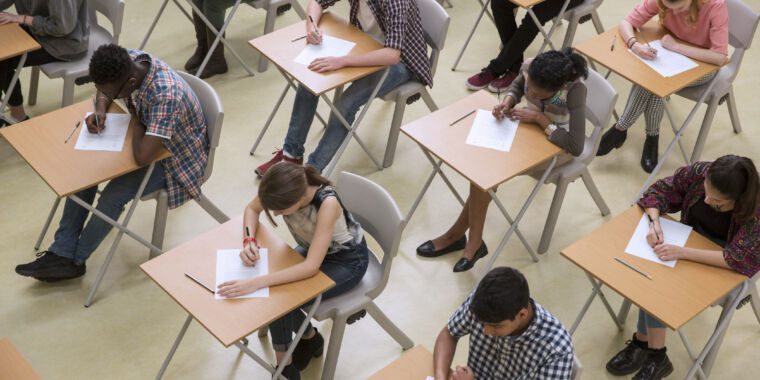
column 693, row 93
column 356, row 298
column 404, row 90
column 261, row 4
column 80, row 67
column 572, row 169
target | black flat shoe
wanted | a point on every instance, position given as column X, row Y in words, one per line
column 428, row 250
column 649, row 156
column 306, row 349
column 291, row 372
column 465, row 264
column 612, row 139
column 653, row 370
column 628, row 360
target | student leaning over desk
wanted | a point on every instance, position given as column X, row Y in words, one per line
column 553, row 86
column 328, row 237
column 720, row 200
column 702, row 23
column 62, row 28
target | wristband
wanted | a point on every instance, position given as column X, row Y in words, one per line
column 552, row 127
column 631, row 41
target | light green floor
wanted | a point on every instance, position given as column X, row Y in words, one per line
column 128, row 331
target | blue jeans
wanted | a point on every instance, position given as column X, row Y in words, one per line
column 346, row 268
column 647, row 321
column 356, row 95
column 76, row 241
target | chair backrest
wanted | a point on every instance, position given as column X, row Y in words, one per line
column 378, row 215
column 600, row 102
column 577, row 368
column 113, row 10
column 742, row 25
column 212, row 111
column 435, row 27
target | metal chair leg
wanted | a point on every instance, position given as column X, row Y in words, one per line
column 390, row 146
column 595, row 194
column 212, row 210
column 333, row 348
column 34, row 84
column 389, row 327
column 551, row 218
column 159, row 222
column 732, row 112
column 704, row 130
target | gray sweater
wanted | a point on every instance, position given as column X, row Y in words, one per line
column 62, row 27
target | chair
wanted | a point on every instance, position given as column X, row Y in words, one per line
column 380, row 218
column 741, row 31
column 580, row 14
column 214, row 113
column 271, row 8
column 435, row 26
column 577, row 368
column 600, row 101
column 70, row 71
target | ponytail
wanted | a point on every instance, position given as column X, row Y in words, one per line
column 553, row 69
column 736, row 177
column 284, row 184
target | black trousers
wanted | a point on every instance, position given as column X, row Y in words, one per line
column 8, row 68
column 515, row 39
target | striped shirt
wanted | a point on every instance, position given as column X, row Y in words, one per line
column 399, row 20
column 169, row 109
column 543, row 351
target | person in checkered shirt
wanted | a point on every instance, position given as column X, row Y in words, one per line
column 511, row 336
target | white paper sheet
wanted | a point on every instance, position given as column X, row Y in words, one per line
column 674, row 233
column 330, row 47
column 229, row 267
column 109, row 139
column 487, row 132
column 430, row 378
column 667, row 62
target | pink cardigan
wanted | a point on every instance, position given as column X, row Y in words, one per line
column 710, row 31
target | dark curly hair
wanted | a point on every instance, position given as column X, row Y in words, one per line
column 552, row 69
column 500, row 295
column 110, row 63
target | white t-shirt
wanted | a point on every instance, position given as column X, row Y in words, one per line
column 369, row 23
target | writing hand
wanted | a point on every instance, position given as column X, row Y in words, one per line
column 249, row 255
column 655, row 236
column 504, row 108
column 644, row 51
column 94, row 127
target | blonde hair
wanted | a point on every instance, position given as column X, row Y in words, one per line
column 694, row 8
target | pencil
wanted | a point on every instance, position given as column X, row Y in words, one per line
column 641, row 34
column 315, row 25
column 621, row 261
column 462, row 118
column 200, row 283
column 95, row 111
column 614, row 39
column 298, row 38
column 72, row 132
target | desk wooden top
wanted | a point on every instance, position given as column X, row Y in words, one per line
column 675, row 295
column 526, row 3
column 15, row 42
column 484, row 167
column 40, row 141
column 626, row 64
column 230, row 320
column 279, row 48
column 414, row 364
column 13, row 366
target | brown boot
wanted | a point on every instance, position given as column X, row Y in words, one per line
column 196, row 59
column 216, row 64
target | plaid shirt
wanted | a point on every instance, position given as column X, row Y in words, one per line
column 399, row 20
column 169, row 109
column 543, row 351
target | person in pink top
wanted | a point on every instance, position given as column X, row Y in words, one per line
column 701, row 23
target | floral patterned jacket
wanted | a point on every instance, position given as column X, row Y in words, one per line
column 683, row 190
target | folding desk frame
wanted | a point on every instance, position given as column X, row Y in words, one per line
column 7, row 97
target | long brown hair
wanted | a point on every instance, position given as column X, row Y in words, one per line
column 694, row 8
column 284, row 184
column 736, row 177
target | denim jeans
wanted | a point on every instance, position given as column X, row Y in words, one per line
column 647, row 321
column 345, row 267
column 76, row 241
column 356, row 95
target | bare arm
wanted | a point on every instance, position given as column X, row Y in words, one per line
column 695, row 52
column 443, row 354
column 625, row 29
column 144, row 147
column 704, row 256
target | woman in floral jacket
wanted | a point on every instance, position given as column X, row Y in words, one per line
column 720, row 200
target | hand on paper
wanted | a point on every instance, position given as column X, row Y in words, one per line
column 644, row 51
column 325, row 64
column 669, row 252
column 530, row 116
column 655, row 236
column 463, row 373
column 505, row 108
column 249, row 255
column 10, row 18
column 92, row 126
column 670, row 43
column 238, row 288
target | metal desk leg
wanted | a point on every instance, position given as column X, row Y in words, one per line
column 153, row 25
column 47, row 223
column 8, row 91
column 596, row 290
column 666, row 106
column 445, row 178
column 436, row 170
column 483, row 10
column 558, row 21
column 352, row 128
column 174, row 347
column 519, row 216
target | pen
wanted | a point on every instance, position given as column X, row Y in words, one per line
column 250, row 239
column 199, row 283
column 315, row 25
column 651, row 223
column 72, row 132
column 95, row 111
column 641, row 34
column 461, row 118
column 633, row 267
column 614, row 39
column 298, row 38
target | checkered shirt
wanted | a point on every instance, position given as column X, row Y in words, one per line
column 399, row 20
column 543, row 351
column 169, row 109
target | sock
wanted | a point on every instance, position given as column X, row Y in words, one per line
column 642, row 344
column 658, row 354
column 288, row 155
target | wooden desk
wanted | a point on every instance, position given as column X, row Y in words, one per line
column 13, row 366
column 414, row 364
column 16, row 42
column 41, row 142
column 486, row 168
column 674, row 295
column 229, row 321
